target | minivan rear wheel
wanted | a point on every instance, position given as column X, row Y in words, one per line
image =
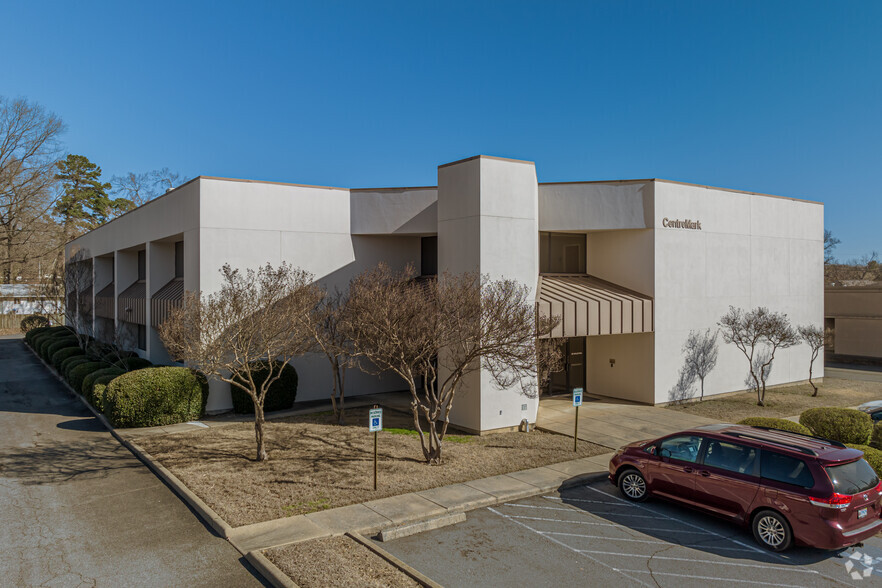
column 632, row 485
column 772, row 531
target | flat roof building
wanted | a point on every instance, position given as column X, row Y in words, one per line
column 631, row 267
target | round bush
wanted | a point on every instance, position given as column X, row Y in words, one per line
column 89, row 381
column 62, row 354
column 873, row 457
column 69, row 363
column 876, row 437
column 98, row 389
column 773, row 423
column 113, row 355
column 845, row 425
column 29, row 336
column 280, row 395
column 79, row 373
column 33, row 321
column 63, row 343
column 46, row 341
column 38, row 341
column 155, row 396
column 131, row 364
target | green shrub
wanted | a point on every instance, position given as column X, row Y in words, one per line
column 155, row 396
column 773, row 423
column 79, row 373
column 876, row 437
column 845, row 425
column 62, row 354
column 89, row 381
column 69, row 363
column 131, row 364
column 63, row 343
column 33, row 321
column 48, row 340
column 113, row 355
column 41, row 340
column 99, row 387
column 29, row 336
column 873, row 457
column 280, row 395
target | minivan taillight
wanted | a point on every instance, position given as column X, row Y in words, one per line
column 835, row 501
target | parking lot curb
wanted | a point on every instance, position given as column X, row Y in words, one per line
column 420, row 578
column 269, row 570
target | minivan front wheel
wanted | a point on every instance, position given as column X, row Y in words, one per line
column 632, row 485
column 771, row 530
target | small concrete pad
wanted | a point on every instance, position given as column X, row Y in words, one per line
column 504, row 487
column 578, row 467
column 276, row 532
column 406, row 508
column 355, row 517
column 414, row 528
column 543, row 478
column 458, row 497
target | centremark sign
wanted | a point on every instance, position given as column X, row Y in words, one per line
column 681, row 224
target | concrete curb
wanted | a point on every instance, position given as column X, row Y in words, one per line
column 415, row 574
column 400, row 531
column 268, row 570
column 203, row 510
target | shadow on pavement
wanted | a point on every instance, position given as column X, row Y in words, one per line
column 54, row 462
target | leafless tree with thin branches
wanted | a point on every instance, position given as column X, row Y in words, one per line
column 701, row 351
column 433, row 332
column 141, row 188
column 66, row 289
column 253, row 321
column 758, row 333
column 813, row 336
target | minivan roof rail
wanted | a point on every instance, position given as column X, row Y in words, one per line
column 793, row 446
column 815, row 437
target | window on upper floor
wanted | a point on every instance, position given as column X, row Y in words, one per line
column 562, row 253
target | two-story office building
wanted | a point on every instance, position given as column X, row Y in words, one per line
column 630, row 266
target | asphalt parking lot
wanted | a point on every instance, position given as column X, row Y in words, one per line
column 588, row 535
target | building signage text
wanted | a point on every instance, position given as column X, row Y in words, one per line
column 681, row 224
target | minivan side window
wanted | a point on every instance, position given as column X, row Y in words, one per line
column 732, row 457
column 783, row 468
column 684, row 448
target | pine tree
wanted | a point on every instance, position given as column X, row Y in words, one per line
column 85, row 203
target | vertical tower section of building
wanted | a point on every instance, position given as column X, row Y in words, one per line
column 488, row 222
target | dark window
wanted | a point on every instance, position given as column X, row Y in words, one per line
column 179, row 259
column 142, row 337
column 732, row 457
column 429, row 256
column 684, row 448
column 561, row 253
column 783, row 468
column 142, row 265
column 853, row 477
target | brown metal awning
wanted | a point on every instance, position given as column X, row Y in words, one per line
column 104, row 302
column 590, row 306
column 165, row 300
column 132, row 305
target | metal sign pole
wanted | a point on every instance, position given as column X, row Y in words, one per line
column 375, row 460
column 576, row 432
column 375, row 425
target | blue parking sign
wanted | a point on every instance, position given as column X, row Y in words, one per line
column 375, row 422
column 577, row 396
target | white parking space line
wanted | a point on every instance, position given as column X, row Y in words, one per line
column 703, row 561
column 562, row 544
column 703, row 545
column 577, row 510
column 617, row 526
column 712, row 578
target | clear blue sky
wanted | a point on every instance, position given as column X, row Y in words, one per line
column 776, row 97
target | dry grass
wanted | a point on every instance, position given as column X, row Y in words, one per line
column 316, row 465
column 337, row 561
column 785, row 402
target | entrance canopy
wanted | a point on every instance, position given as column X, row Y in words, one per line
column 590, row 306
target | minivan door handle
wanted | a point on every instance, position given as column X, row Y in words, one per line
column 704, row 473
column 687, row 469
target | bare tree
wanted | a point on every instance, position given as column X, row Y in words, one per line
column 682, row 390
column 29, row 150
column 813, row 336
column 701, row 352
column 64, row 295
column 254, row 322
column 758, row 330
column 433, row 332
column 331, row 340
column 141, row 188
column 830, row 243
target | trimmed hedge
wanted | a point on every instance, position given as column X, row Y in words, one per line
column 68, row 364
column 62, row 354
column 99, row 387
column 280, row 395
column 29, row 336
column 873, row 457
column 845, row 425
column 876, row 437
column 131, row 364
column 33, row 321
column 155, row 396
column 773, row 423
column 79, row 373
column 62, row 343
column 89, row 381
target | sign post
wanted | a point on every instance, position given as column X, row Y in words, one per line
column 375, row 425
column 577, row 402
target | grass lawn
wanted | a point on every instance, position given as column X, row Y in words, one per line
column 785, row 402
column 315, row 464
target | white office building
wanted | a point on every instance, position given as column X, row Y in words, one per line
column 631, row 267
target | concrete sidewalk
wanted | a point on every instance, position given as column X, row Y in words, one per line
column 613, row 423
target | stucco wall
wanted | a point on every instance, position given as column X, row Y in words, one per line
column 595, row 206
column 399, row 211
column 858, row 336
column 631, row 375
column 752, row 250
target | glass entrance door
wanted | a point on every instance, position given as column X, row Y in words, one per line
column 573, row 373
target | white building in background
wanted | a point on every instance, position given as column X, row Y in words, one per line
column 630, row 266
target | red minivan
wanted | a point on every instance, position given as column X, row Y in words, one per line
column 785, row 486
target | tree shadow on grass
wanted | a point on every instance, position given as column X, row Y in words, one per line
column 56, row 462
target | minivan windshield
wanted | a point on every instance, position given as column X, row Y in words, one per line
column 852, row 477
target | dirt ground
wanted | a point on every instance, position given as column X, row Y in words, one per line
column 337, row 561
column 315, row 465
column 785, row 402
